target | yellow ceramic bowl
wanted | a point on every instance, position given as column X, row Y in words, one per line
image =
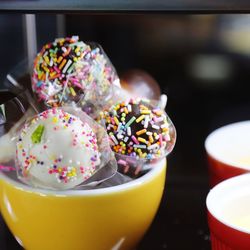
column 103, row 219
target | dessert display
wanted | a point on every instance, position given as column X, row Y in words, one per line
column 63, row 147
column 56, row 149
column 65, row 173
column 66, row 68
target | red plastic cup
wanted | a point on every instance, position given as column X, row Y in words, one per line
column 228, row 151
column 228, row 205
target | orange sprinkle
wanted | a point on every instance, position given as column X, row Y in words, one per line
column 62, row 64
column 143, row 107
column 54, row 77
column 59, row 59
column 67, row 52
column 140, row 132
column 165, row 129
column 151, row 139
column 158, row 112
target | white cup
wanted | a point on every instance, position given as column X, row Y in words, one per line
column 228, row 151
column 228, row 205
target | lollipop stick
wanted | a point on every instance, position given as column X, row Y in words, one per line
column 31, row 38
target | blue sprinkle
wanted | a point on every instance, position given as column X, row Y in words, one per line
column 39, row 84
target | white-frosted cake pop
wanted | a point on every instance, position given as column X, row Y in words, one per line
column 57, row 150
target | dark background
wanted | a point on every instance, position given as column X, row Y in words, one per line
column 202, row 62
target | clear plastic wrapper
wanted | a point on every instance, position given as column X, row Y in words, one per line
column 18, row 79
column 94, row 106
column 13, row 115
column 14, row 110
column 63, row 148
column 90, row 104
column 68, row 69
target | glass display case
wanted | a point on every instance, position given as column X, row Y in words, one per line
column 199, row 53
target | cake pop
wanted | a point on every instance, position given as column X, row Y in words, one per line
column 139, row 130
column 140, row 84
column 57, row 150
column 65, row 69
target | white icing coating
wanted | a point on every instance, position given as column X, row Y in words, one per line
column 64, row 154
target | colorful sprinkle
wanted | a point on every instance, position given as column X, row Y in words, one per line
column 37, row 134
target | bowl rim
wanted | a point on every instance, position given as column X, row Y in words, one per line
column 209, row 144
column 155, row 171
column 239, row 181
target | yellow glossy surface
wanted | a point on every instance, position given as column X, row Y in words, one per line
column 115, row 219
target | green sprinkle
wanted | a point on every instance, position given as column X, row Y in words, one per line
column 71, row 68
column 80, row 44
column 130, row 122
column 37, row 134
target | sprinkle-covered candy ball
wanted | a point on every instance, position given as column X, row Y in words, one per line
column 65, row 69
column 138, row 130
column 57, row 150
